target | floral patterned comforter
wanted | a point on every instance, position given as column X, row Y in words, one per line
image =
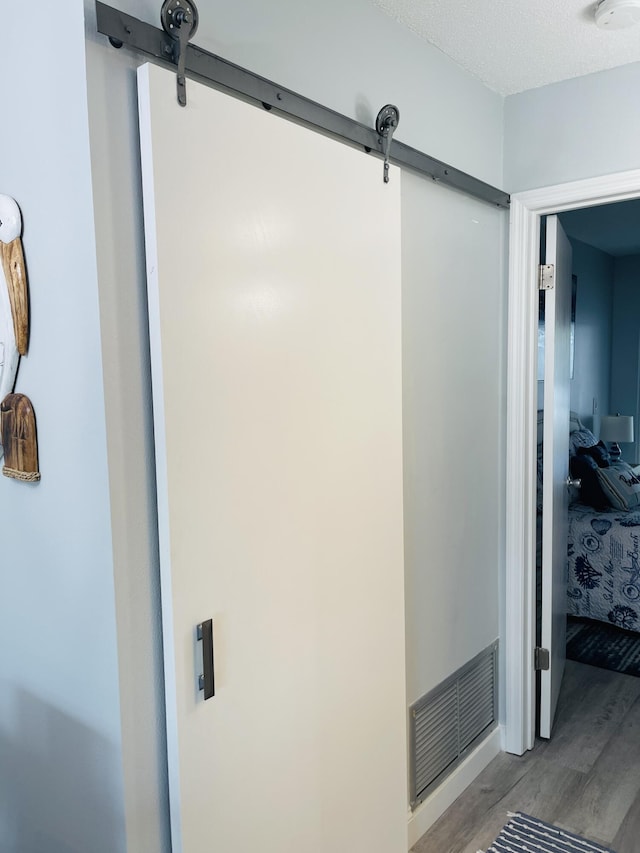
column 604, row 567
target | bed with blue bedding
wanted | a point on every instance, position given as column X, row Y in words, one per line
column 604, row 567
column 604, row 535
column 603, row 556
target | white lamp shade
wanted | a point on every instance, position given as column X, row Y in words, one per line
column 617, row 428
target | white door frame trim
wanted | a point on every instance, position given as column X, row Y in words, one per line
column 520, row 599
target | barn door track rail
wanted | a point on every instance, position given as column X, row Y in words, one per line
column 171, row 47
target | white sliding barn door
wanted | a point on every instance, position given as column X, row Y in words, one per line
column 555, row 460
column 273, row 260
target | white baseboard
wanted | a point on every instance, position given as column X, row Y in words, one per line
column 428, row 812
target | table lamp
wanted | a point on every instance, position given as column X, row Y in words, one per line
column 616, row 428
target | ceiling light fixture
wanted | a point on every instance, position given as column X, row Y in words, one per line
column 617, row 14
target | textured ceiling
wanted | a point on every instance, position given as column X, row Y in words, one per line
column 513, row 45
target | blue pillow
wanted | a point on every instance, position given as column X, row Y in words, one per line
column 598, row 452
column 581, row 438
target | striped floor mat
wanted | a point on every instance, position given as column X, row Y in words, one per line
column 603, row 645
column 524, row 834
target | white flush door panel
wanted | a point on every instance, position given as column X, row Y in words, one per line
column 557, row 331
column 274, row 299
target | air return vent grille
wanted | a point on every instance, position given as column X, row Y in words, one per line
column 446, row 723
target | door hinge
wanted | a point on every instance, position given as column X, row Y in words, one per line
column 541, row 659
column 546, row 277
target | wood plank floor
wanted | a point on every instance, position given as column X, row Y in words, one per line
column 586, row 779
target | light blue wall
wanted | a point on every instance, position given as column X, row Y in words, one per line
column 353, row 58
column 81, row 719
column 625, row 375
column 592, row 356
column 60, row 738
column 578, row 128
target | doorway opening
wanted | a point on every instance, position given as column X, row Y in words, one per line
column 520, row 584
column 601, row 541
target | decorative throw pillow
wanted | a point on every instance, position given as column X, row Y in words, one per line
column 585, row 468
column 581, row 438
column 598, row 452
column 621, row 485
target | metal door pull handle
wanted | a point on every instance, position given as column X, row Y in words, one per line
column 206, row 681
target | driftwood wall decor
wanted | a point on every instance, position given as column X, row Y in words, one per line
column 18, row 426
column 16, row 278
column 14, row 300
column 17, row 418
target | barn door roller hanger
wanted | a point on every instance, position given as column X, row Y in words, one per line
column 171, row 47
column 180, row 21
column 386, row 123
